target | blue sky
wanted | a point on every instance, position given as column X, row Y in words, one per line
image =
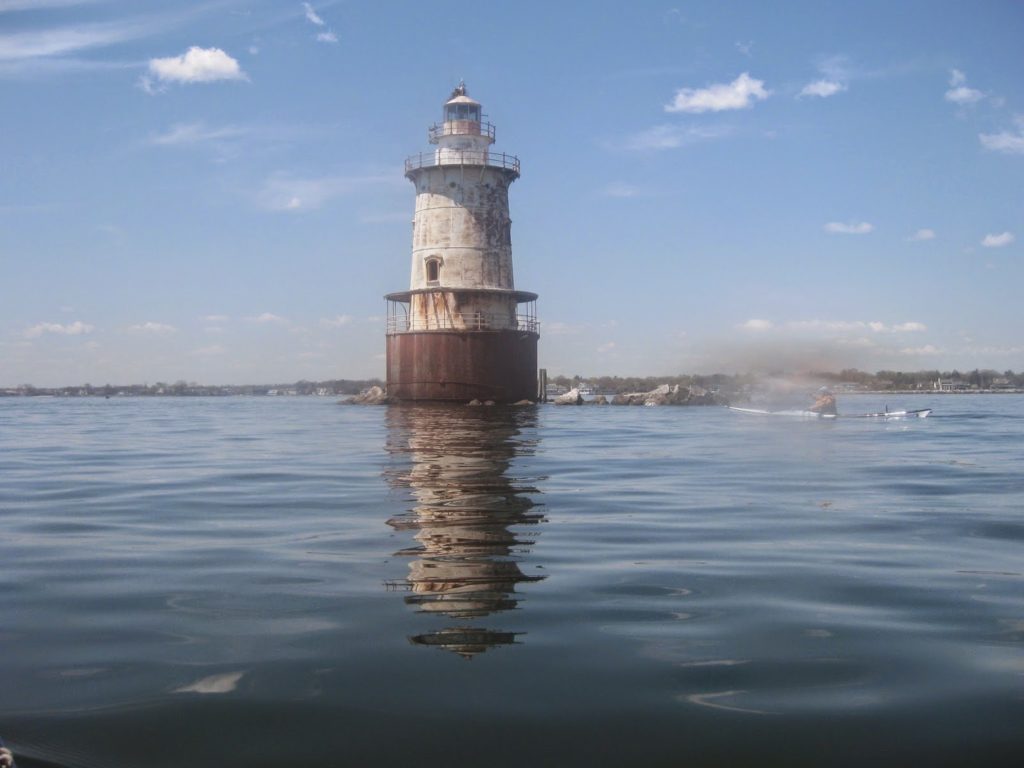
column 213, row 191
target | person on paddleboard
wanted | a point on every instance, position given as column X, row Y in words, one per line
column 824, row 403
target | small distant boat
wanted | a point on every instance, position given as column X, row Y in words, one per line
column 920, row 413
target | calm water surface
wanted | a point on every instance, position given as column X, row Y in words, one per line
column 286, row 581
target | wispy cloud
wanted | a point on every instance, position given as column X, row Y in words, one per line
column 77, row 328
column 327, row 35
column 620, row 189
column 384, row 217
column 196, row 65
column 959, row 92
column 922, row 234
column 195, row 133
column 64, row 40
column 928, row 350
column 267, row 317
column 161, row 329
column 289, row 193
column 7, row 6
column 559, row 328
column 834, row 327
column 671, row 137
column 998, row 241
column 822, row 88
column 1005, row 141
column 312, row 16
column 741, row 93
column 849, row 228
column 336, row 322
column 213, row 350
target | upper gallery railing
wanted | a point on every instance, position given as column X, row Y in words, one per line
column 460, row 128
column 462, row 157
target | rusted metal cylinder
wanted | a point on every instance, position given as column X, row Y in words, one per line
column 462, row 365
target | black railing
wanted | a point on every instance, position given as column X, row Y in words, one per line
column 462, row 157
column 460, row 128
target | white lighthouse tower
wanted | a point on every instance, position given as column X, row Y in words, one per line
column 462, row 331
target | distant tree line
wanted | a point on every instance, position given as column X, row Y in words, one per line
column 182, row 388
column 727, row 384
column 721, row 383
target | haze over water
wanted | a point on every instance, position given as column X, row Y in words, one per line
column 284, row 581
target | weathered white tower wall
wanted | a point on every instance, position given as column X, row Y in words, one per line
column 462, row 221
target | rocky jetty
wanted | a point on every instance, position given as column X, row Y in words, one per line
column 667, row 395
column 572, row 397
column 371, row 396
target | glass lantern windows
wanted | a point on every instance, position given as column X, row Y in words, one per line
column 462, row 112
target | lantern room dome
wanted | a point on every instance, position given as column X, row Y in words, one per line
column 461, row 107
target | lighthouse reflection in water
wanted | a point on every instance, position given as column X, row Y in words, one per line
column 472, row 520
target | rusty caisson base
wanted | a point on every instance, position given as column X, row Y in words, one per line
column 459, row 366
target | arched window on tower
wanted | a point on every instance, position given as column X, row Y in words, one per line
column 433, row 270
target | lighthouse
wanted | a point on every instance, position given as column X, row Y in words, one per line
column 462, row 331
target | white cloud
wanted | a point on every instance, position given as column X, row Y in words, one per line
column 267, row 317
column 384, row 217
column 63, row 40
column 194, row 133
column 835, row 327
column 151, row 327
column 6, row 6
column 288, row 193
column 620, row 189
column 336, row 322
column 746, row 49
column 853, row 326
column 998, row 241
column 958, row 92
column 77, row 328
column 741, row 93
column 851, row 228
column 671, row 137
column 211, row 351
column 922, row 234
column 215, row 318
column 327, row 36
column 927, row 350
column 312, row 15
column 558, row 328
column 910, row 327
column 964, row 95
column 822, row 88
column 196, row 65
column 1005, row 141
column 604, row 349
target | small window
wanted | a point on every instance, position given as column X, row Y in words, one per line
column 433, row 270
